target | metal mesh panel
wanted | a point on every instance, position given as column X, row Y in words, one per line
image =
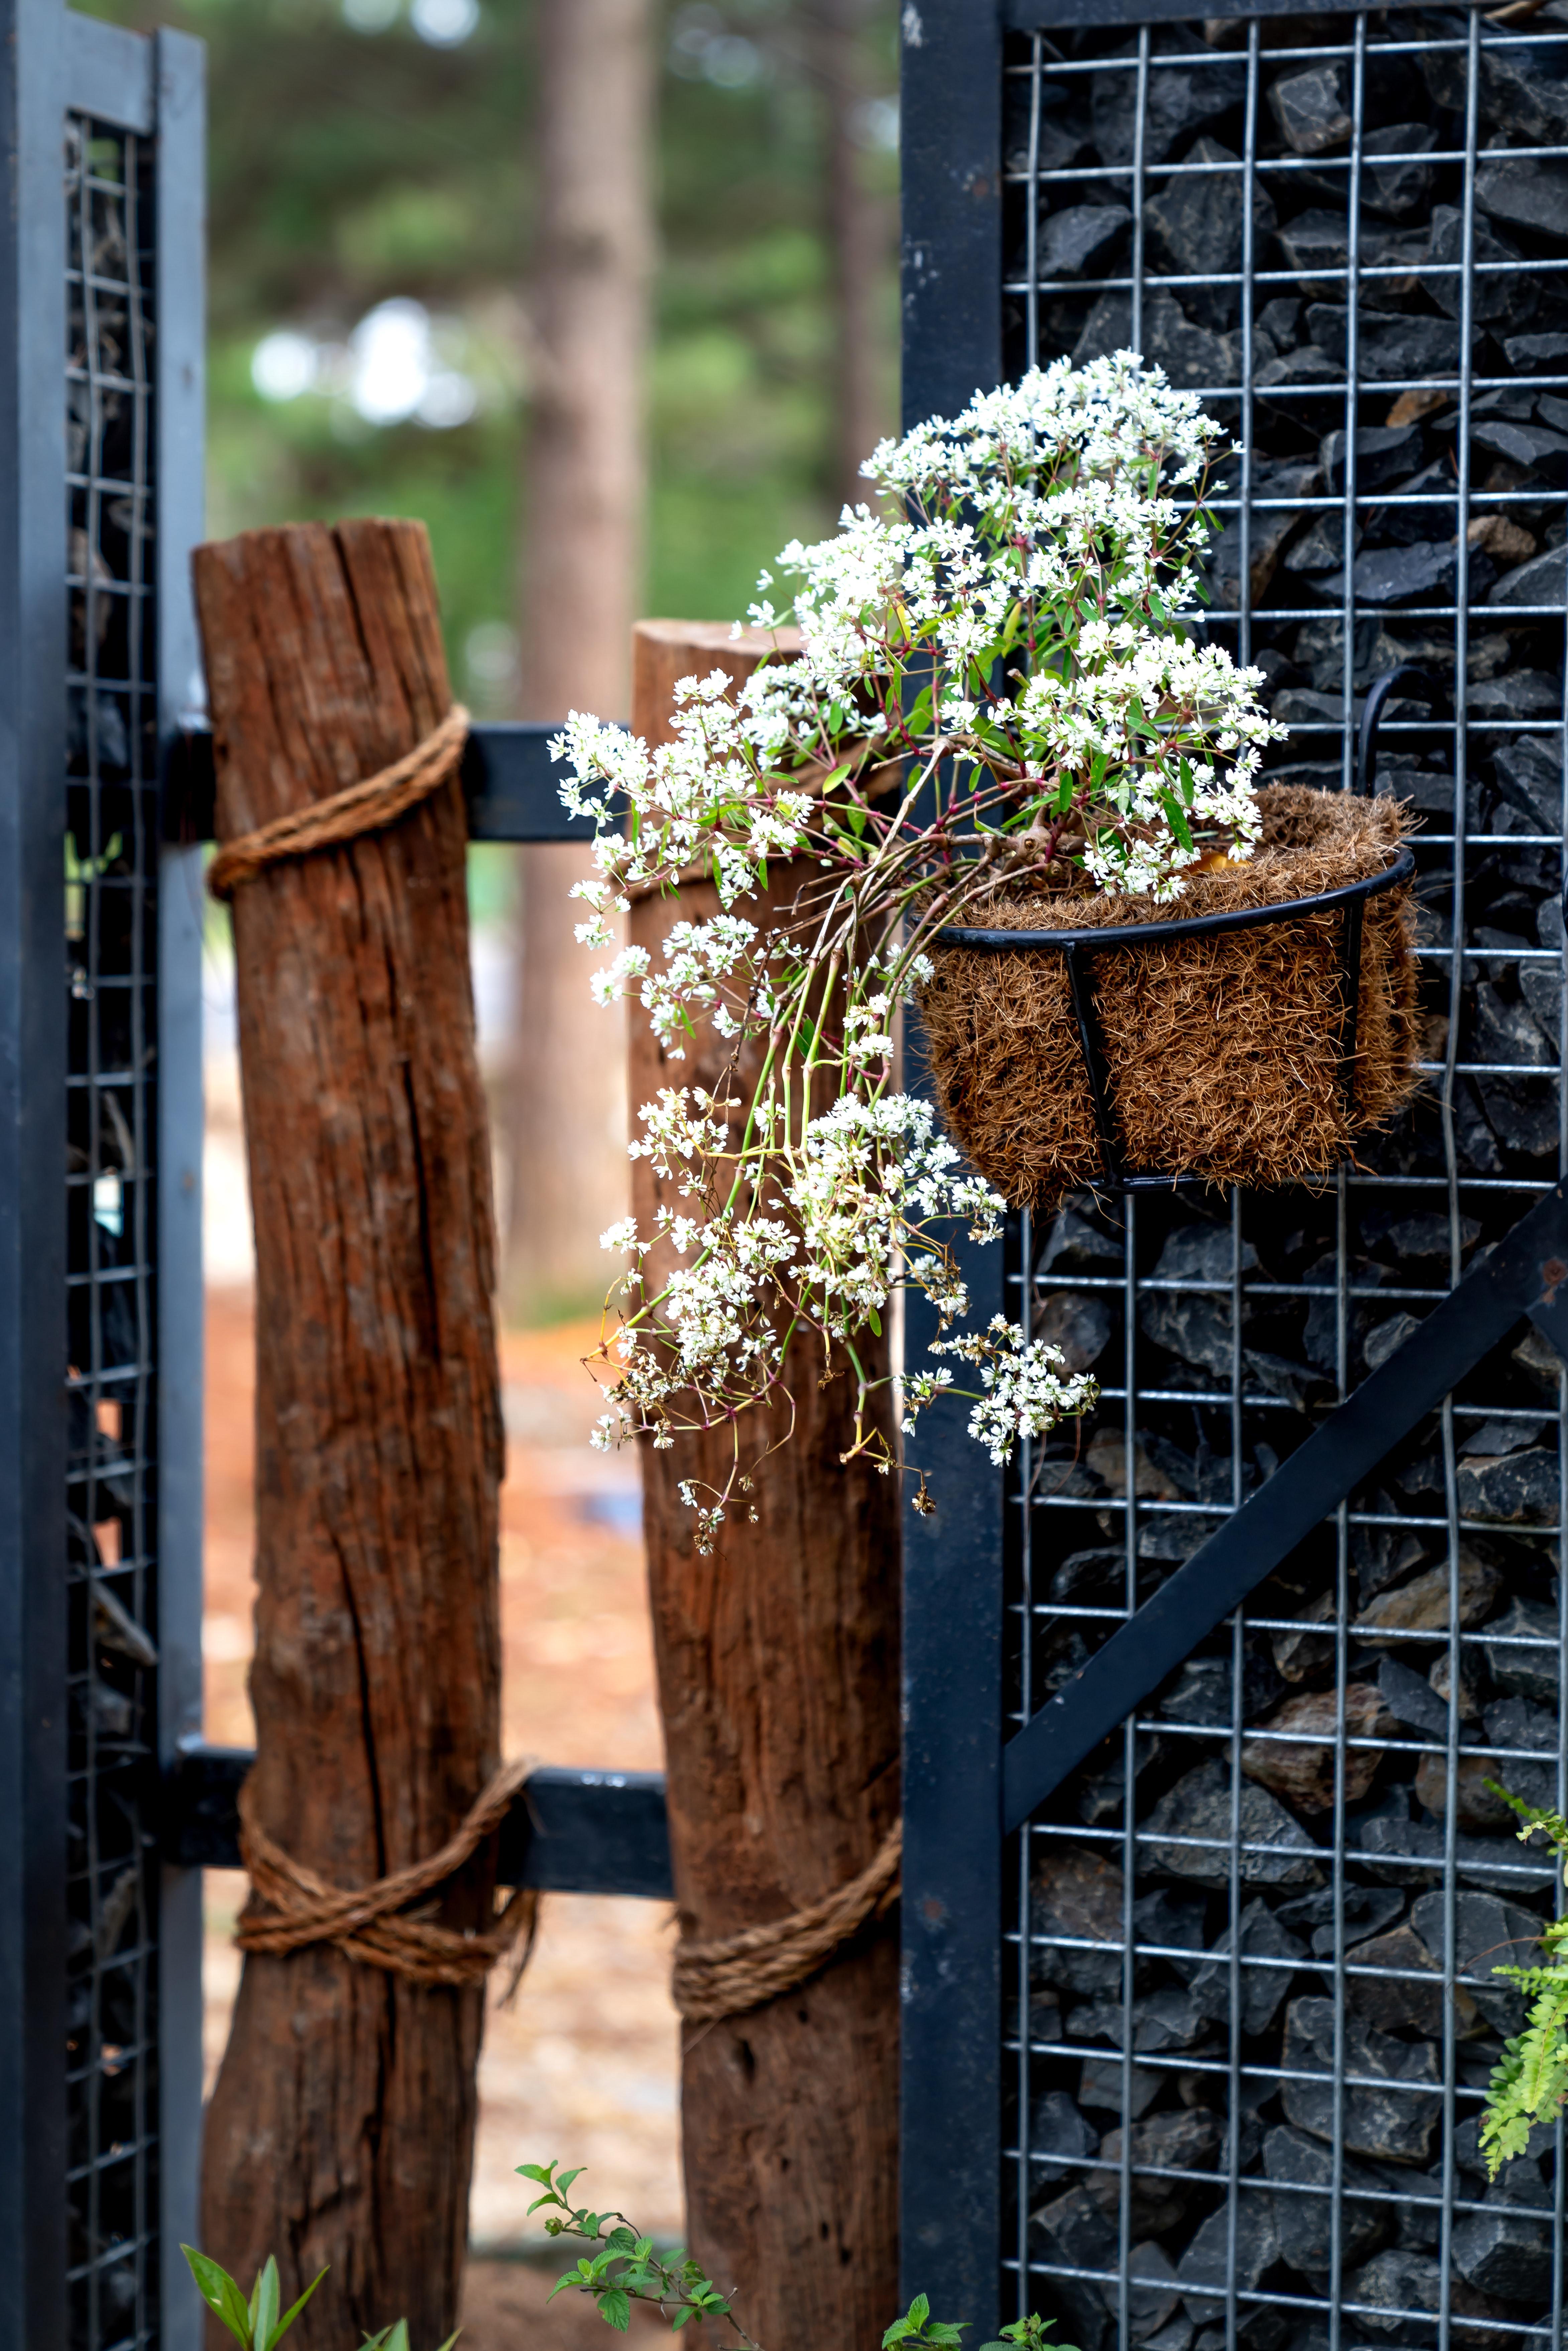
column 112, row 854
column 1254, row 2011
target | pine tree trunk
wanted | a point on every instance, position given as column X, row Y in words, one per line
column 583, row 493
column 778, row 1663
column 341, row 2128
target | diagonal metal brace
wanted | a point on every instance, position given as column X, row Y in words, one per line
column 1522, row 1275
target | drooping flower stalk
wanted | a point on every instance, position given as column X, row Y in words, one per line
column 997, row 688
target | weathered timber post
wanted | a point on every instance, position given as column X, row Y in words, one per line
column 778, row 1662
column 341, row 2128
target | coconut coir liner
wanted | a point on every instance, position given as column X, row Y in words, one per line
column 1225, row 1053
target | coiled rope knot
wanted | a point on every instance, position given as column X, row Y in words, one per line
column 366, row 807
column 290, row 1907
column 737, row 1972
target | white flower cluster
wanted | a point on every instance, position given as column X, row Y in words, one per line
column 995, row 682
column 1025, row 1393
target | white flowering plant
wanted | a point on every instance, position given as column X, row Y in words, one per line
column 995, row 687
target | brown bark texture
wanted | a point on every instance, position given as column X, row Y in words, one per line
column 341, row 2128
column 583, row 493
column 778, row 1664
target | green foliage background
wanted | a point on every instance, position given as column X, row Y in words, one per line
column 351, row 166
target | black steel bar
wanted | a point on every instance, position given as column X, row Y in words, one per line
column 1091, row 1050
column 33, row 1044
column 1524, row 1275
column 178, row 73
column 568, row 1831
column 951, row 2136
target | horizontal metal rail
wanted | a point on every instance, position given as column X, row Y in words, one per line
column 511, row 783
column 567, row 1833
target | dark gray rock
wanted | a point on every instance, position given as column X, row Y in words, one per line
column 1528, row 770
column 1301, row 1652
column 1185, row 2140
column 1535, row 449
column 1167, row 2020
column 1305, row 364
column 1480, row 1808
column 1397, row 575
column 1515, row 1722
column 1383, row 452
column 1302, row 2171
column 1412, row 1699
column 1398, row 190
column 1075, row 1246
column 1199, row 1693
column 1390, row 345
column 1072, row 2232
column 1195, row 224
column 1367, row 1910
column 1076, row 239
column 1169, row 1919
column 1505, row 300
column 1472, row 1682
column 1487, row 1934
column 1534, row 354
column 1201, row 1252
column 1102, row 1792
column 1077, row 1895
column 1152, row 2299
column 1278, row 1851
column 1315, row 246
column 1190, row 355
column 1058, row 2129
column 1526, row 192
column 1263, row 1985
column 1272, row 528
column 1197, row 1329
column 1504, row 2251
column 1536, row 583
column 1394, row 2118
column 1536, row 1356
column 1418, row 1240
column 1310, row 109
column 1386, row 1998
column 1421, row 1605
column 1519, row 1490
column 1505, row 1032
column 1182, row 99
column 1204, row 2268
column 1383, row 1556
column 1078, row 1322
column 1523, row 89
column 1522, row 1115
column 1541, row 986
column 1391, row 2283
column 1101, row 2086
column 1383, row 1340
column 1089, row 1579
column 1521, row 692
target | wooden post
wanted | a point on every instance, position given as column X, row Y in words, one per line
column 341, row 2128
column 778, row 1663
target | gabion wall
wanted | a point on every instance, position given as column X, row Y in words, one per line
column 1254, row 2012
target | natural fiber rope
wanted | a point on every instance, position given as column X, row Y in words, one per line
column 726, row 1978
column 290, row 1907
column 366, row 807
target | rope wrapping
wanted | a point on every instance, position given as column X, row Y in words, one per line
column 366, row 807
column 738, row 1972
column 290, row 1907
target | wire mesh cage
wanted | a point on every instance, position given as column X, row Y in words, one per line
column 1251, row 2006
column 112, row 941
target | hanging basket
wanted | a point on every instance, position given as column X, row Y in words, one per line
column 1084, row 1039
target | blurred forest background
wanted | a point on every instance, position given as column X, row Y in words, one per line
column 606, row 291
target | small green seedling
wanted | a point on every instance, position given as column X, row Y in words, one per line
column 256, row 2323
column 623, row 2267
column 1529, row 2086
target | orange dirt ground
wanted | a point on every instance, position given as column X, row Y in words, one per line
column 584, row 2065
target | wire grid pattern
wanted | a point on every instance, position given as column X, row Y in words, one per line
column 1253, row 2012
column 111, row 853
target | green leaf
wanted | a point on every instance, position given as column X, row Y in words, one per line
column 874, row 1319
column 220, row 2293
column 682, row 2317
column 289, row 2315
column 539, row 2171
column 564, row 2182
column 561, row 2284
column 615, row 2309
column 265, row 2298
column 451, row 2339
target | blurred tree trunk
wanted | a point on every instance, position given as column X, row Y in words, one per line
column 564, row 1122
column 856, row 224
